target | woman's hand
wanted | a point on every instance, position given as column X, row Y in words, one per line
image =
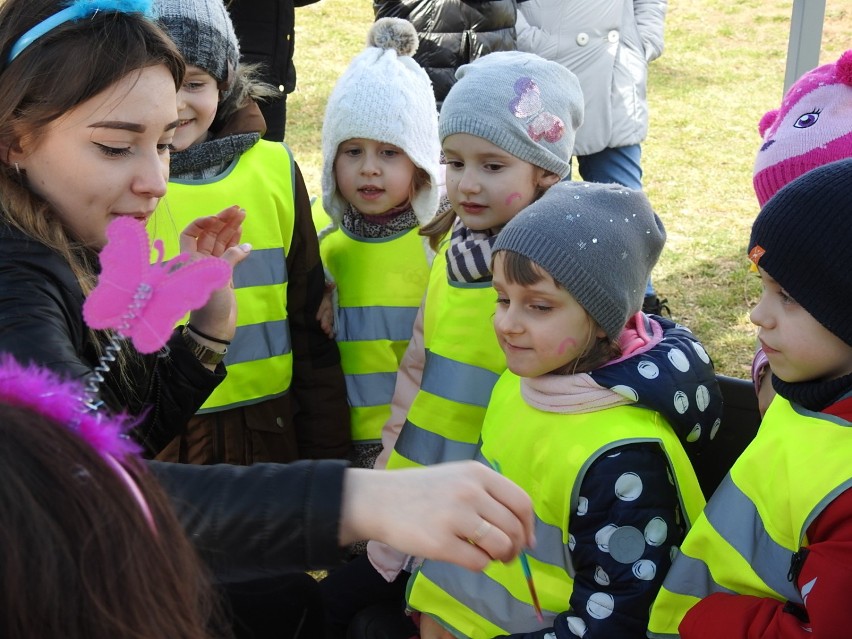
column 217, row 236
column 462, row 512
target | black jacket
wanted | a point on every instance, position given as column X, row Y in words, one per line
column 249, row 522
column 246, row 522
column 41, row 321
column 454, row 32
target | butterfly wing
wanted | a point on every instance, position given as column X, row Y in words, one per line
column 124, row 261
column 548, row 126
column 528, row 98
column 179, row 288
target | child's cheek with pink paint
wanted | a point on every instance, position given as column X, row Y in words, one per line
column 568, row 341
column 511, row 198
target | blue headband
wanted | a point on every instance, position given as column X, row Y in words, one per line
column 77, row 10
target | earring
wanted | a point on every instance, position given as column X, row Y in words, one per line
column 17, row 169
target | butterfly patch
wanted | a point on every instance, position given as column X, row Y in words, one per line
column 527, row 106
column 142, row 301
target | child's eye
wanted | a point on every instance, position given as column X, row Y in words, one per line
column 454, row 164
column 165, row 148
column 391, row 153
column 492, row 166
column 541, row 307
column 113, row 152
column 785, row 297
column 352, row 153
column 502, row 301
column 193, row 86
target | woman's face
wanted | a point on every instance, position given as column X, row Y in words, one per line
column 107, row 157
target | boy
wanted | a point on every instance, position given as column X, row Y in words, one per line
column 772, row 554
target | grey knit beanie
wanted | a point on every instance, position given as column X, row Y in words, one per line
column 526, row 105
column 204, row 34
column 803, row 239
column 384, row 95
column 598, row 241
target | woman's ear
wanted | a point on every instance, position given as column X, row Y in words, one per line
column 547, row 179
column 11, row 150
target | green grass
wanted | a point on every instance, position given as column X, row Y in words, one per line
column 722, row 69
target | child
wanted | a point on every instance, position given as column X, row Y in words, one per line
column 772, row 558
column 813, row 126
column 506, row 129
column 284, row 397
column 594, row 419
column 380, row 171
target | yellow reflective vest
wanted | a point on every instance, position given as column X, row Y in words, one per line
column 380, row 284
column 545, row 454
column 259, row 359
column 758, row 517
column 463, row 362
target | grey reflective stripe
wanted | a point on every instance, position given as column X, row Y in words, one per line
column 247, row 402
column 492, row 600
column 370, row 389
column 691, row 576
column 368, row 323
column 735, row 518
column 262, row 267
column 458, row 382
column 259, row 341
column 425, row 447
column 661, row 635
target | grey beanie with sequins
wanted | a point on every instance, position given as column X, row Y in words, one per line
column 598, row 241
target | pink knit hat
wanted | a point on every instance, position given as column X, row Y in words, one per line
column 813, row 127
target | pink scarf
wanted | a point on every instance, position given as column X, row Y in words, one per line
column 580, row 393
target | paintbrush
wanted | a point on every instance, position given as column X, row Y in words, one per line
column 525, row 564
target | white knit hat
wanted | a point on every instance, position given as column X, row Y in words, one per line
column 385, row 96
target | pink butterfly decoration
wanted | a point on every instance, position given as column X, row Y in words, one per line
column 527, row 105
column 143, row 301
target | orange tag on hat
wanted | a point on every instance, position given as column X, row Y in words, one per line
column 756, row 253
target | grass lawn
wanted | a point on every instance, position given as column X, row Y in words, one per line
column 722, row 69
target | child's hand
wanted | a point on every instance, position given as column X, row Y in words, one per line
column 431, row 629
column 325, row 313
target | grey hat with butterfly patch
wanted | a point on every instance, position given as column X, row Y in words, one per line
column 526, row 105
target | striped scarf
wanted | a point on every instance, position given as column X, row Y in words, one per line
column 469, row 255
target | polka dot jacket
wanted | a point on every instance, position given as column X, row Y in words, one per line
column 613, row 591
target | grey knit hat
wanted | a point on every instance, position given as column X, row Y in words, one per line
column 204, row 34
column 598, row 241
column 526, row 105
column 803, row 239
column 384, row 95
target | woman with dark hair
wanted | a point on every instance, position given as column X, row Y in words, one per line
column 88, row 110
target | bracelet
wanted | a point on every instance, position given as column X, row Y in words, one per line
column 205, row 354
column 225, row 342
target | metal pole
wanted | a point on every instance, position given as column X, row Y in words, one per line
column 805, row 39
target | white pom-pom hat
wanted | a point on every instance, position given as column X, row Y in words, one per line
column 384, row 95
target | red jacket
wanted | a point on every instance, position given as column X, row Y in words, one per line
column 826, row 614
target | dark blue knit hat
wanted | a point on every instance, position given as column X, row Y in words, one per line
column 803, row 239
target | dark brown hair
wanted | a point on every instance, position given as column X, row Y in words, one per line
column 519, row 269
column 78, row 559
column 57, row 72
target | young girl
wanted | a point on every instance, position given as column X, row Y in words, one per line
column 592, row 418
column 771, row 554
column 380, row 171
column 283, row 398
column 507, row 129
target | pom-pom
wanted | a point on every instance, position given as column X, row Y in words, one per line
column 766, row 121
column 844, row 68
column 393, row 33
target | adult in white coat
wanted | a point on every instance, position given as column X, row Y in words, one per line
column 607, row 44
